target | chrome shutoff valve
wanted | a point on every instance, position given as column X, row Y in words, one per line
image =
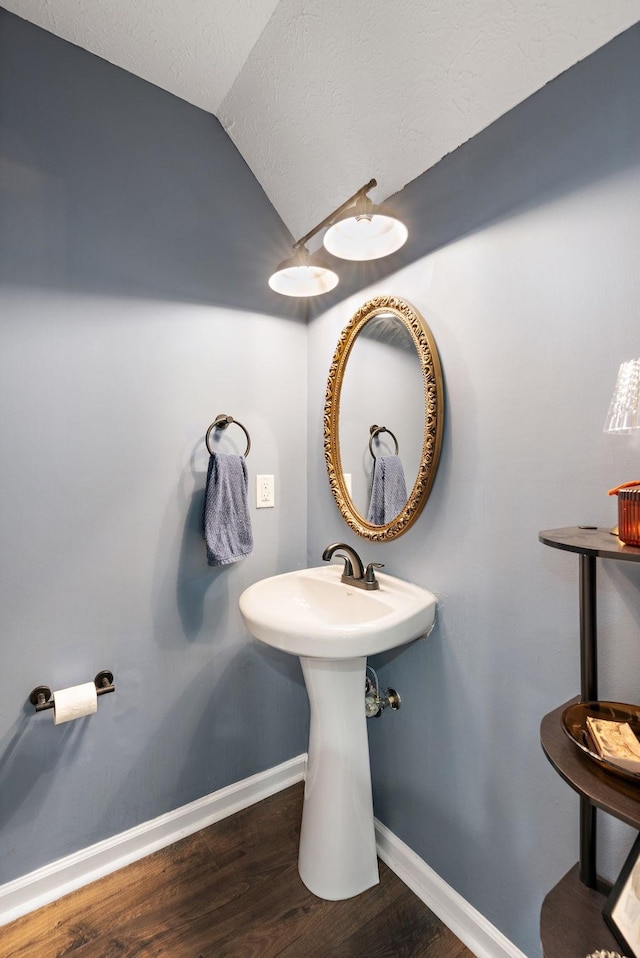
column 374, row 703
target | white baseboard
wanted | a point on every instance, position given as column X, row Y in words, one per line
column 472, row 928
column 51, row 882
column 47, row 884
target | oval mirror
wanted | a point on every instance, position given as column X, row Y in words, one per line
column 383, row 418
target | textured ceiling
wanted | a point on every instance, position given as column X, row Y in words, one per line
column 321, row 95
column 193, row 48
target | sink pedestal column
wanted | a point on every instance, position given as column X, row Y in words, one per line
column 337, row 856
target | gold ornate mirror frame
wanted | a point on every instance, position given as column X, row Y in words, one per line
column 433, row 417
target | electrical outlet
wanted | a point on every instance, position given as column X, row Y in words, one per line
column 264, row 492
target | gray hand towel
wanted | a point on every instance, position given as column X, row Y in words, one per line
column 226, row 525
column 388, row 490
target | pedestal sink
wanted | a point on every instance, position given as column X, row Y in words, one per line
column 332, row 627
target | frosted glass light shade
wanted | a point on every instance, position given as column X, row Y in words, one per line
column 366, row 232
column 624, row 411
column 304, row 274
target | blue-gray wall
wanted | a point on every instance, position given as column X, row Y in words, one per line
column 524, row 262
column 133, row 248
column 133, row 310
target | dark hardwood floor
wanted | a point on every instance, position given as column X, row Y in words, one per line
column 231, row 890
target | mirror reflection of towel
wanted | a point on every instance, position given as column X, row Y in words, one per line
column 388, row 490
column 226, row 525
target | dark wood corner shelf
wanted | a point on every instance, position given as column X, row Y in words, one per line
column 590, row 541
column 571, row 922
column 612, row 793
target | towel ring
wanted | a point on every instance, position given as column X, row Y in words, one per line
column 221, row 422
column 375, row 431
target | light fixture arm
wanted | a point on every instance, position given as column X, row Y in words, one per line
column 329, row 219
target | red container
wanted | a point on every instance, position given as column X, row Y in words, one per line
column 629, row 516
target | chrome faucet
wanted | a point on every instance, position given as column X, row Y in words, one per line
column 354, row 572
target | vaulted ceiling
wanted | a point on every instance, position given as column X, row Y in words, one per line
column 321, row 95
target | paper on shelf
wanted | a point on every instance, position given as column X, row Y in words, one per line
column 616, row 743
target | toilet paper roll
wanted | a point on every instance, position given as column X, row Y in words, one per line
column 74, row 702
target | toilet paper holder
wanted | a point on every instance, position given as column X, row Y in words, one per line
column 42, row 696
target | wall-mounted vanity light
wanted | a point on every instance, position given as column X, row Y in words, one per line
column 358, row 230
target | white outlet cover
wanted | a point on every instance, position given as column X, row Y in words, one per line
column 265, row 492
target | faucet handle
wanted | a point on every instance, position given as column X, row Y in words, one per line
column 369, row 575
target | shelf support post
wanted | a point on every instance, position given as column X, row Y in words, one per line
column 588, row 630
column 588, row 871
column 588, row 693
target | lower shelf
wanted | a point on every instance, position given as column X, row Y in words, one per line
column 571, row 922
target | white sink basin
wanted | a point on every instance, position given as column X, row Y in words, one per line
column 312, row 613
